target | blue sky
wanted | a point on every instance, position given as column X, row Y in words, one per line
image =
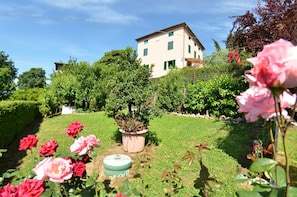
column 37, row 33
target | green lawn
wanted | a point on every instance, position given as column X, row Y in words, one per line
column 228, row 145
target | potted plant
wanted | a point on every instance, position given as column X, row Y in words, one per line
column 129, row 99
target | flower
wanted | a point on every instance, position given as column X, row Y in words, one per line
column 275, row 66
column 59, row 170
column 83, row 144
column 68, row 174
column 30, row 187
column 48, row 148
column 120, row 195
column 92, row 141
column 79, row 169
column 258, row 102
column 8, row 191
column 28, row 142
column 273, row 74
column 39, row 169
column 73, row 129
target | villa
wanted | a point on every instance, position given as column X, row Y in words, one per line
column 173, row 47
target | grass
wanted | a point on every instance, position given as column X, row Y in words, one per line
column 228, row 145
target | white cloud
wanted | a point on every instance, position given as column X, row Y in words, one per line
column 232, row 7
column 101, row 11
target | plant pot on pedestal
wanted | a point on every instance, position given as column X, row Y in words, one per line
column 133, row 142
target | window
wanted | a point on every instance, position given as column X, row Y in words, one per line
column 195, row 54
column 145, row 51
column 189, row 48
column 189, row 38
column 146, row 41
column 198, row 56
column 171, row 64
column 170, row 45
column 170, row 34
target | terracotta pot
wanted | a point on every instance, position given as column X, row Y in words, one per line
column 133, row 142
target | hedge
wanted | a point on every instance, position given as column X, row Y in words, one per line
column 14, row 117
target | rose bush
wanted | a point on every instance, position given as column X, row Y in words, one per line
column 58, row 176
column 273, row 75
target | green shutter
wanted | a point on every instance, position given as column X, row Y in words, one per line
column 165, row 67
column 173, row 63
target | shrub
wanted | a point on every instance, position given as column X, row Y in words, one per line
column 216, row 95
column 49, row 103
column 171, row 91
column 31, row 94
column 14, row 117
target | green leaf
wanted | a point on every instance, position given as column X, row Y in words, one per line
column 262, row 165
column 89, row 182
column 46, row 193
column 248, row 194
column 240, row 178
column 292, row 191
column 281, row 176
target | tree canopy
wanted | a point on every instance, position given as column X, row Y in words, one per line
column 266, row 23
column 7, row 75
column 34, row 78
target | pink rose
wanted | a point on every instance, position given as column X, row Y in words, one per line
column 48, row 148
column 92, row 141
column 275, row 66
column 83, row 144
column 30, row 188
column 79, row 169
column 79, row 146
column 73, row 129
column 59, row 170
column 28, row 142
column 39, row 169
column 8, row 191
column 258, row 102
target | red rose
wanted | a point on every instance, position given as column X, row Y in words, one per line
column 30, row 187
column 8, row 191
column 48, row 148
column 28, row 142
column 73, row 129
column 121, row 195
column 79, row 169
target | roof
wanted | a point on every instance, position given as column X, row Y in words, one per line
column 168, row 29
column 194, row 60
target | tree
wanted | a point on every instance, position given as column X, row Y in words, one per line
column 129, row 89
column 86, row 78
column 268, row 22
column 34, row 78
column 7, row 75
column 64, row 85
column 219, row 57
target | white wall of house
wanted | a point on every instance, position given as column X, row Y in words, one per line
column 153, row 49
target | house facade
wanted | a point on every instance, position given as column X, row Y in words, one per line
column 172, row 47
